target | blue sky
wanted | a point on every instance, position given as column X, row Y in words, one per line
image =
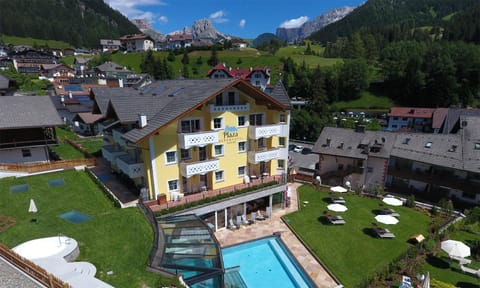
column 242, row 18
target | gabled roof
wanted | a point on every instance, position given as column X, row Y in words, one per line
column 81, row 60
column 111, row 67
column 439, row 117
column 135, row 37
column 88, row 117
column 56, row 66
column 349, row 143
column 240, row 73
column 411, row 112
column 109, row 42
column 165, row 101
column 27, row 112
column 280, row 94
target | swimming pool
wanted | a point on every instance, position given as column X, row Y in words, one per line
column 266, row 263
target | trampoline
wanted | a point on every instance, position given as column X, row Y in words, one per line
column 56, row 182
column 19, row 188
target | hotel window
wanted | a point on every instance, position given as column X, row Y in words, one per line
column 256, row 119
column 241, row 121
column 219, row 100
column 185, row 154
column 231, row 98
column 217, row 123
column 261, row 143
column 190, row 126
column 171, row 157
column 219, row 176
column 241, row 171
column 281, row 163
column 283, row 118
column 173, row 185
column 219, row 150
column 26, row 153
column 242, row 146
column 281, row 141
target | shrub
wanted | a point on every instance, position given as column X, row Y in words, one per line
column 410, row 201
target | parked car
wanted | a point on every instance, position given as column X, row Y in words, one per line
column 298, row 149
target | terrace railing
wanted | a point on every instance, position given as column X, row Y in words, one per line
column 53, row 165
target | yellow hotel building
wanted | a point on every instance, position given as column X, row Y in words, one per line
column 177, row 137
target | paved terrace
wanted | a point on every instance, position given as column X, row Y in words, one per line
column 275, row 224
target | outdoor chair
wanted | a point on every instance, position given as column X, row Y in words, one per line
column 245, row 220
column 231, row 225
column 253, row 218
column 260, row 216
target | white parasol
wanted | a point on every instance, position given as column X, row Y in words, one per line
column 337, row 207
column 386, row 219
column 455, row 248
column 392, row 201
column 32, row 208
column 338, row 189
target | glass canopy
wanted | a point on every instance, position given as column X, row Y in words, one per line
column 191, row 249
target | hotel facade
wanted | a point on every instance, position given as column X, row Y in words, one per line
column 177, row 137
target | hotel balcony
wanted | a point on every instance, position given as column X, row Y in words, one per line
column 255, row 157
column 117, row 137
column 133, row 168
column 111, row 152
column 189, row 169
column 229, row 108
column 198, row 139
column 267, row 131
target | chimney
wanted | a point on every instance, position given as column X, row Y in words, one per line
column 328, row 142
column 142, row 120
column 70, row 94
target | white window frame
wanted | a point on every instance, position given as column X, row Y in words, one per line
column 178, row 185
column 189, row 156
column 166, row 157
column 215, row 150
column 244, row 171
column 222, row 173
column 221, row 123
column 244, row 120
column 245, row 148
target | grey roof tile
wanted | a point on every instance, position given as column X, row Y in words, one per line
column 27, row 112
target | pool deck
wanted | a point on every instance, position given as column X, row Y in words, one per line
column 274, row 224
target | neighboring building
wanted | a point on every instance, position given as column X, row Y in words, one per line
column 109, row 70
column 452, row 120
column 81, row 65
column 178, row 137
column 27, row 128
column 358, row 156
column 7, row 85
column 31, row 61
column 137, row 42
column 58, row 73
column 239, row 44
column 177, row 41
column 110, row 45
column 409, row 119
column 4, row 62
column 257, row 76
column 85, row 123
column 431, row 165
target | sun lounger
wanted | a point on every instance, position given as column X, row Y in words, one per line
column 461, row 261
column 231, row 225
column 470, row 270
column 260, row 216
column 337, row 200
column 390, row 212
column 383, row 233
column 336, row 220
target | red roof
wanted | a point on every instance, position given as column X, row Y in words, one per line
column 410, row 112
column 241, row 73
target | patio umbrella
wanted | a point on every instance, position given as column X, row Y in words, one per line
column 32, row 208
column 392, row 201
column 426, row 281
column 386, row 219
column 455, row 248
column 338, row 189
column 337, row 207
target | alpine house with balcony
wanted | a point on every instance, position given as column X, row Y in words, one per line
column 177, row 137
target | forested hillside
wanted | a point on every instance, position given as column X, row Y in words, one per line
column 393, row 16
column 81, row 23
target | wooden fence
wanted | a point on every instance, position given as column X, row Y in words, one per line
column 31, row 269
column 52, row 165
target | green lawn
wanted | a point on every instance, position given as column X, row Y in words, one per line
column 115, row 239
column 67, row 151
column 367, row 101
column 32, row 42
column 349, row 251
column 446, row 270
column 91, row 145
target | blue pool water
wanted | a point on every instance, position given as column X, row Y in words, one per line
column 266, row 263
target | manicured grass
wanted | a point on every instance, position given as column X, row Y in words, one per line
column 446, row 270
column 367, row 100
column 117, row 240
column 91, row 145
column 349, row 251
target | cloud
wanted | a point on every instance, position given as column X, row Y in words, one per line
column 294, row 23
column 130, row 8
column 219, row 17
column 163, row 19
column 242, row 23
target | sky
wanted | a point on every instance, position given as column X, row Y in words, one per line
column 241, row 18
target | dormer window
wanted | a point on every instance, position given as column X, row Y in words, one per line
column 428, row 144
column 477, row 146
column 453, row 148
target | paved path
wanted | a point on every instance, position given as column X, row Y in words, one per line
column 274, row 224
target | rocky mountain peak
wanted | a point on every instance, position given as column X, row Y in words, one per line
column 204, row 29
